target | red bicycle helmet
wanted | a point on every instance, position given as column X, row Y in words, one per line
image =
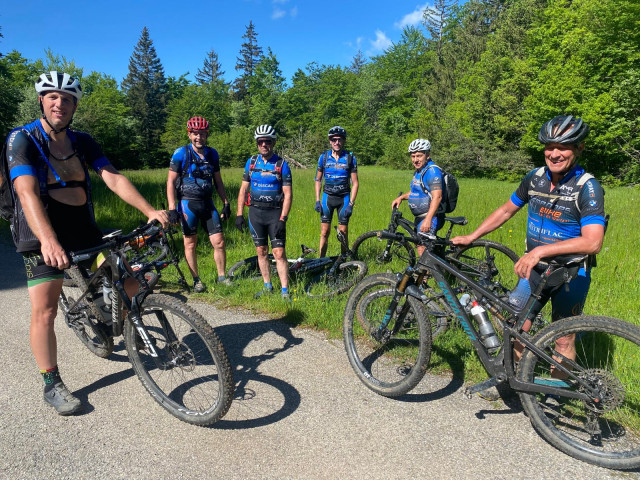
column 197, row 123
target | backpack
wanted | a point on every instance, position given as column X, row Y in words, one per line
column 349, row 159
column 7, row 202
column 452, row 189
column 252, row 167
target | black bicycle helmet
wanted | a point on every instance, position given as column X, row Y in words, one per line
column 563, row 129
column 337, row 131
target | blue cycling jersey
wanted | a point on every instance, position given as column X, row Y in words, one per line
column 559, row 214
column 420, row 198
column 265, row 183
column 337, row 173
column 196, row 173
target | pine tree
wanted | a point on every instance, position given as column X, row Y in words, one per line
column 146, row 87
column 358, row 62
column 250, row 56
column 435, row 20
column 211, row 70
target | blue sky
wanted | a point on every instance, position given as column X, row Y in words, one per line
column 100, row 35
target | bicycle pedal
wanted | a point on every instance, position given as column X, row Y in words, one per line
column 470, row 391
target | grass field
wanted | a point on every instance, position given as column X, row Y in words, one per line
column 615, row 290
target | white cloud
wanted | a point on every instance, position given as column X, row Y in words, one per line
column 278, row 13
column 412, row 19
column 381, row 43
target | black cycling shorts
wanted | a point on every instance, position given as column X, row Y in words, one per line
column 262, row 225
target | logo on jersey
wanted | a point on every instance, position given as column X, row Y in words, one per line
column 593, row 203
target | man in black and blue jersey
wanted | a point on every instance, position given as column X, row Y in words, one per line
column 565, row 217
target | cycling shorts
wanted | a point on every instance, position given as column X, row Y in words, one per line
column 201, row 212
column 567, row 300
column 262, row 225
column 437, row 222
column 331, row 203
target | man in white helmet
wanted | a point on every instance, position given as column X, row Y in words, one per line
column 48, row 167
column 427, row 190
column 267, row 180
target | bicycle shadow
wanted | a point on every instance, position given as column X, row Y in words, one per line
column 259, row 399
column 83, row 393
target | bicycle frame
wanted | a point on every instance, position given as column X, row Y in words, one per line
column 501, row 366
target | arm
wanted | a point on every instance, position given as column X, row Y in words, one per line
column 220, row 187
column 121, row 186
column 28, row 190
column 287, row 190
column 436, row 198
column 241, row 194
column 318, row 184
column 171, row 190
column 398, row 201
column 493, row 221
column 354, row 187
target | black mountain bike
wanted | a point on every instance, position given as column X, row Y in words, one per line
column 175, row 353
column 587, row 407
column 321, row 277
column 392, row 250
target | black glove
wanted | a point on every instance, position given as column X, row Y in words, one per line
column 240, row 222
column 281, row 229
column 226, row 212
column 318, row 207
column 348, row 210
column 174, row 217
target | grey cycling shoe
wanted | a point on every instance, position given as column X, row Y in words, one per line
column 198, row 286
column 263, row 292
column 60, row 398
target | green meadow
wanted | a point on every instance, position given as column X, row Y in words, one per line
column 615, row 289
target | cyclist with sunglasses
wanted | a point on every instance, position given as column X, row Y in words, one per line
column 193, row 173
column 266, row 188
column 340, row 171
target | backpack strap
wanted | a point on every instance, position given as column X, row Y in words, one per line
column 44, row 157
column 424, row 188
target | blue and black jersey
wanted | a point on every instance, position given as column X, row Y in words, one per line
column 559, row 214
column 265, row 182
column 337, row 173
column 196, row 173
column 426, row 180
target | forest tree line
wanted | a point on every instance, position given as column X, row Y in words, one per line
column 477, row 79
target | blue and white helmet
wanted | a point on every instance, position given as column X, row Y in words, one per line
column 59, row 82
column 420, row 145
column 265, row 131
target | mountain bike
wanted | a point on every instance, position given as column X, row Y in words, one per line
column 321, row 277
column 588, row 406
column 392, row 250
column 175, row 353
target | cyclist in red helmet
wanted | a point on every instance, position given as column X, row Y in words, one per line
column 193, row 172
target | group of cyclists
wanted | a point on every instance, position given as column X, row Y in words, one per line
column 48, row 165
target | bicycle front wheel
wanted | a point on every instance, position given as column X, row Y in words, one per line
column 605, row 432
column 191, row 376
column 390, row 361
column 488, row 262
column 327, row 284
column 382, row 254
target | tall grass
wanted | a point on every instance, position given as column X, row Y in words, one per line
column 615, row 289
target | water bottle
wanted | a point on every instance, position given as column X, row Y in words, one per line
column 487, row 333
column 107, row 288
column 520, row 295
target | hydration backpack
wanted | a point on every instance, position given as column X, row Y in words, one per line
column 452, row 189
column 277, row 171
column 7, row 202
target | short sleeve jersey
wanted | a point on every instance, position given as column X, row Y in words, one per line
column 559, row 214
column 420, row 198
column 24, row 157
column 265, row 184
column 337, row 173
column 196, row 173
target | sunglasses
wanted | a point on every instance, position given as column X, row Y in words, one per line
column 265, row 142
column 336, row 139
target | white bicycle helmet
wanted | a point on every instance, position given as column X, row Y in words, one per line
column 420, row 145
column 59, row 82
column 265, row 131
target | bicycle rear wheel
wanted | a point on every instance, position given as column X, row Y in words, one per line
column 604, row 433
column 249, row 268
column 382, row 254
column 389, row 361
column 191, row 377
column 325, row 284
column 380, row 293
column 489, row 263
column 85, row 318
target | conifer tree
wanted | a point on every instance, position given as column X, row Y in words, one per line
column 211, row 70
column 250, row 56
column 146, row 87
